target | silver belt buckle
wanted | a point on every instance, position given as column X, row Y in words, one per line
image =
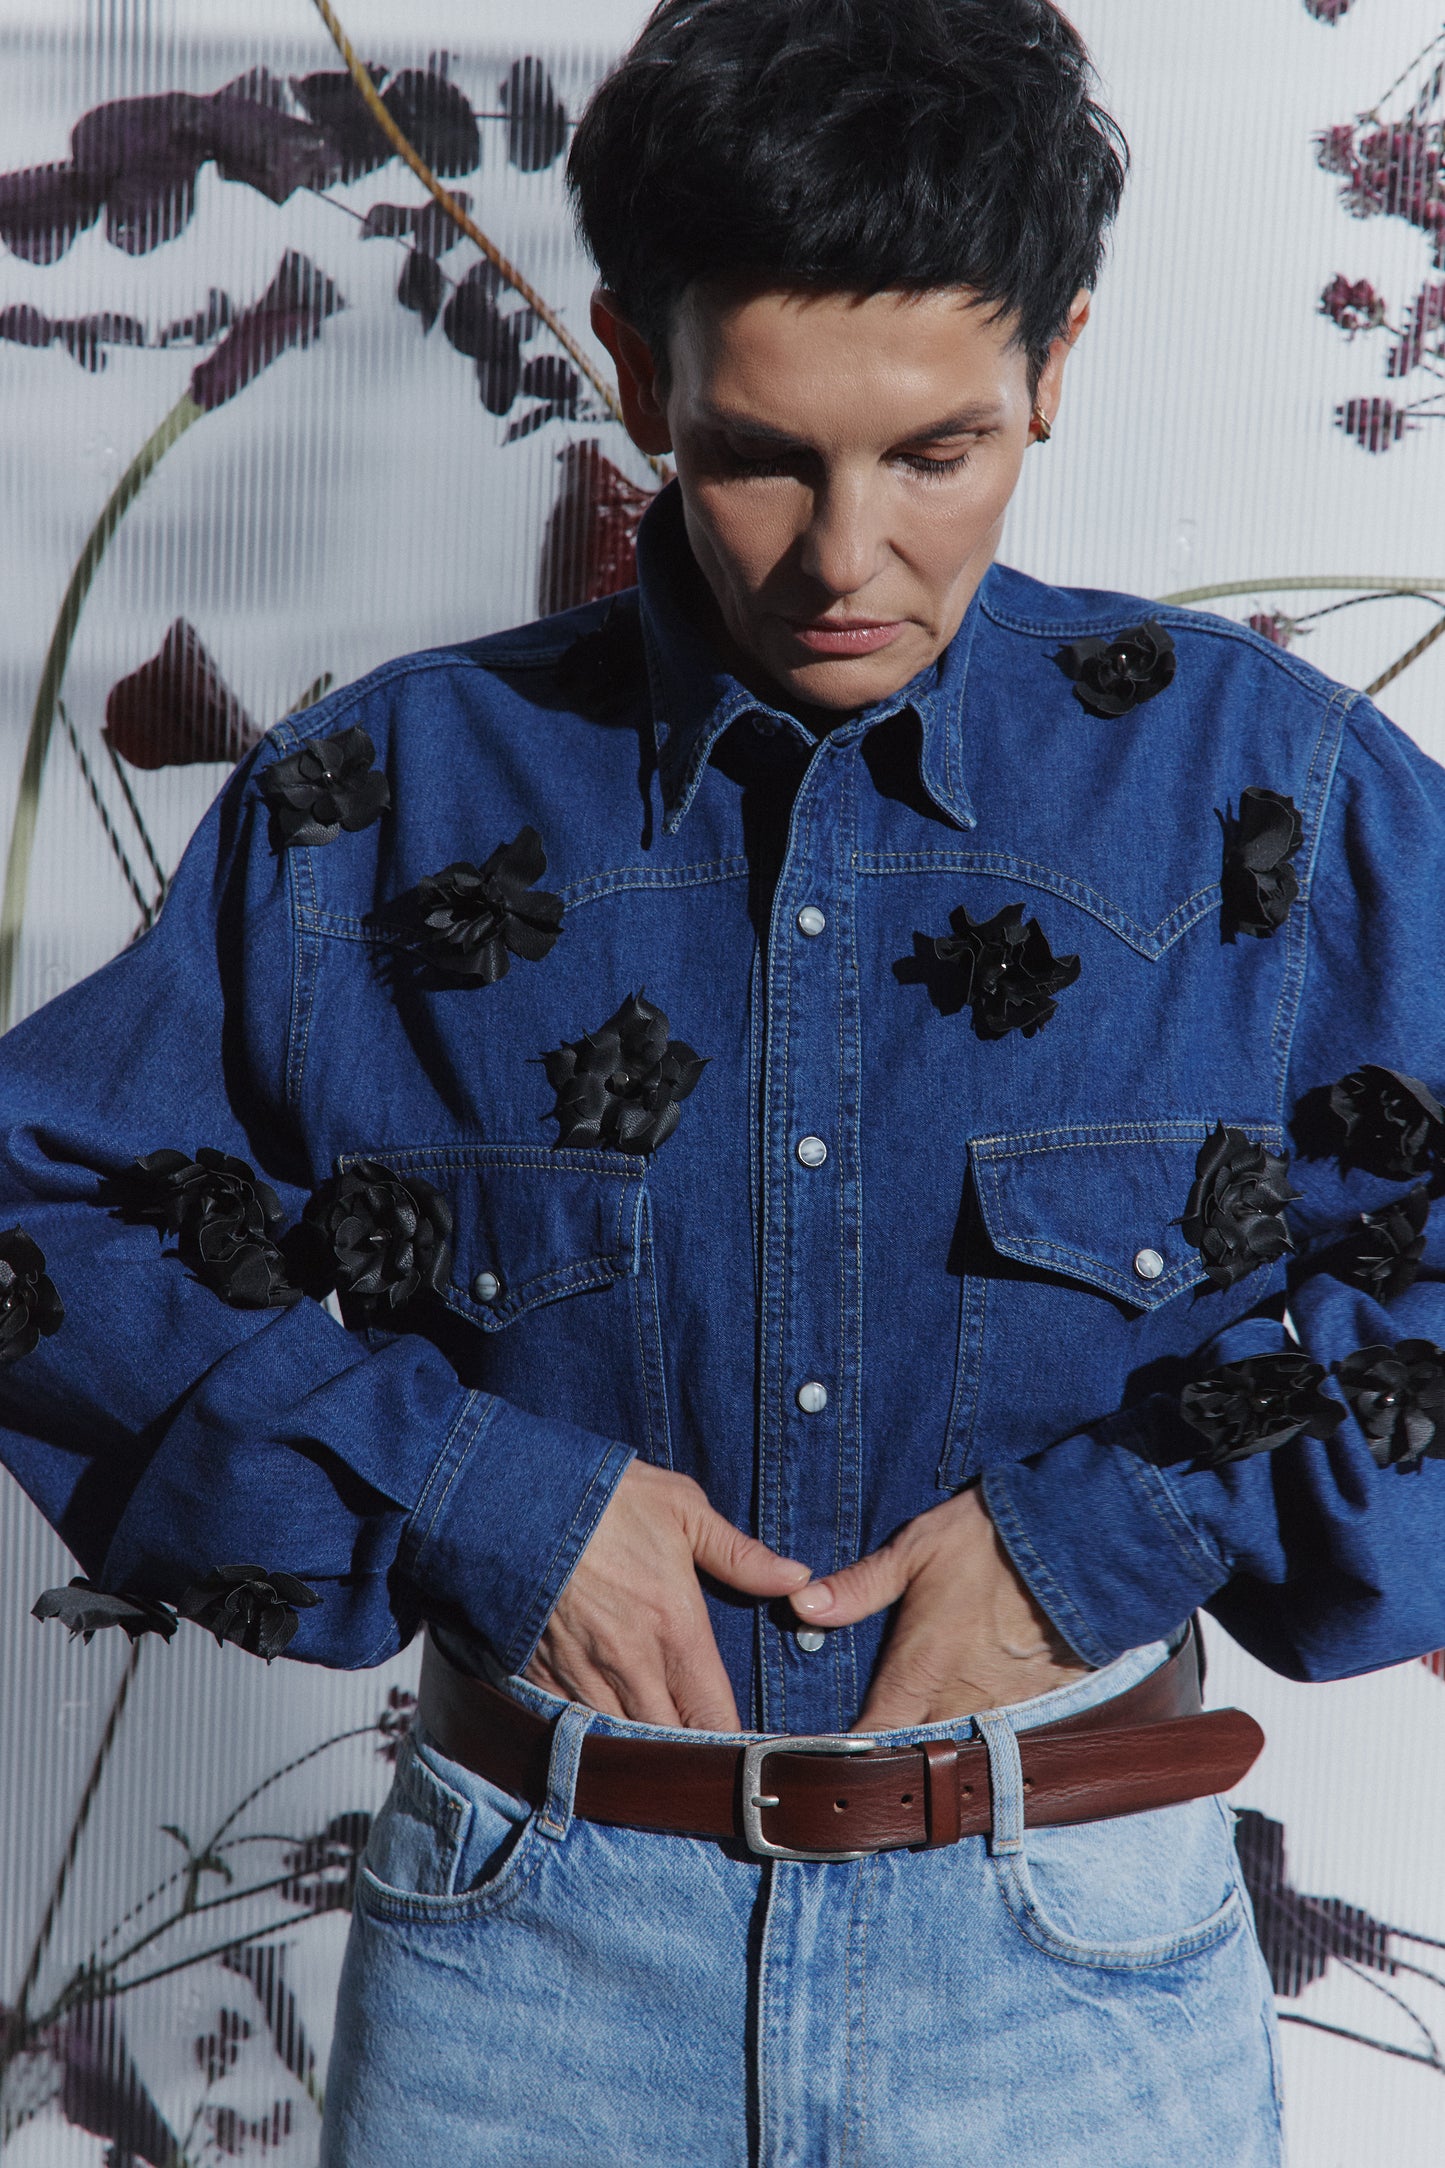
column 755, row 1799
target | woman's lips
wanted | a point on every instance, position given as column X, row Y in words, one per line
column 855, row 636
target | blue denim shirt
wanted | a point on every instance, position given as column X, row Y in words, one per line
column 965, row 1274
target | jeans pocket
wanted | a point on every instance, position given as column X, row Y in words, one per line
column 446, row 1845
column 1128, row 1894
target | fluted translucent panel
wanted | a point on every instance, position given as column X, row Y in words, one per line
column 358, row 496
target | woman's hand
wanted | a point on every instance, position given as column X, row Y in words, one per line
column 968, row 1635
column 631, row 1635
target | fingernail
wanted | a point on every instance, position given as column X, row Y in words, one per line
column 814, row 1601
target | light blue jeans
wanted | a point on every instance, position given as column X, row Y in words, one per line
column 528, row 1990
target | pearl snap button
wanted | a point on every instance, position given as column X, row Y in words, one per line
column 812, row 1151
column 811, row 919
column 1149, row 1265
column 812, row 1397
column 809, row 1640
column 486, row 1287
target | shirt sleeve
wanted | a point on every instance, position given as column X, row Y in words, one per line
column 165, row 1433
column 1319, row 1562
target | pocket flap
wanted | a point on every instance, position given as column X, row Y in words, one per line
column 1101, row 1203
column 538, row 1223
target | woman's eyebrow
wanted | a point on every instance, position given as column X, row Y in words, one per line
column 979, row 415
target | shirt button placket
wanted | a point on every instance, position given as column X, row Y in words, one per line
column 810, row 1497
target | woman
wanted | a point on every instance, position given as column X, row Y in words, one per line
column 866, row 1315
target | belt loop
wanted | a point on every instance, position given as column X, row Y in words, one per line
column 942, row 1817
column 1006, row 1782
column 568, row 1733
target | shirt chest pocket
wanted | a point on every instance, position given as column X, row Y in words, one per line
column 551, row 1301
column 1079, row 1290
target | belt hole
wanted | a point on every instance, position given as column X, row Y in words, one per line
column 968, row 1791
column 839, row 1805
column 1028, row 1784
column 907, row 1799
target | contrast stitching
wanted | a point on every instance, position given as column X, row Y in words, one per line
column 483, row 1408
column 1149, row 942
column 1096, row 1136
column 1292, row 987
column 589, row 888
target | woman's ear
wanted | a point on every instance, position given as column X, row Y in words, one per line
column 643, row 412
column 1051, row 380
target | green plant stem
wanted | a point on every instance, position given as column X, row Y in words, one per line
column 1383, row 588
column 18, row 2015
column 1411, row 654
column 367, row 91
column 1323, row 581
column 135, row 813
column 42, row 721
column 147, row 908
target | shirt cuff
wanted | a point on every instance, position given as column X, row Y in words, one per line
column 1126, row 1569
column 507, row 1512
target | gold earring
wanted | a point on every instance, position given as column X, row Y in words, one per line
column 1041, row 428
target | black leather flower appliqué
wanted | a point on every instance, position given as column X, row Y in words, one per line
column 1258, row 1404
column 1011, row 973
column 29, row 1306
column 386, row 1236
column 1258, row 880
column 1235, row 1213
column 85, row 1609
column 224, row 1215
column 622, row 1085
column 324, row 787
column 1112, row 676
column 1386, row 1254
column 1387, row 1124
column 479, row 917
column 246, row 1604
column 1397, row 1395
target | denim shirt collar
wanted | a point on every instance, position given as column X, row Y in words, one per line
column 694, row 699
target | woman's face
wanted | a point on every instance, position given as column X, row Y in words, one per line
column 845, row 465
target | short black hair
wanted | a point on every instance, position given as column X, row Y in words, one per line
column 851, row 146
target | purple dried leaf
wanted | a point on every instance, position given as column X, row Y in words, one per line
column 536, row 116
column 289, row 314
column 333, row 102
column 177, row 708
column 43, row 208
column 421, row 287
column 436, row 120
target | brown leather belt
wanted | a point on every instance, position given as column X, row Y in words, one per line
column 829, row 1797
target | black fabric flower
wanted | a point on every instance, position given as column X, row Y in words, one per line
column 1113, row 676
column 1258, row 881
column 1385, row 1259
column 479, row 917
column 85, row 1609
column 29, row 1305
column 385, row 1235
column 224, row 1215
column 1258, row 1404
column 1235, row 1213
column 1388, row 1124
column 622, row 1084
column 246, row 1604
column 1011, row 973
column 326, row 786
column 1397, row 1395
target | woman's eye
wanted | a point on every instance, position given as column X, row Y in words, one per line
column 935, row 470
